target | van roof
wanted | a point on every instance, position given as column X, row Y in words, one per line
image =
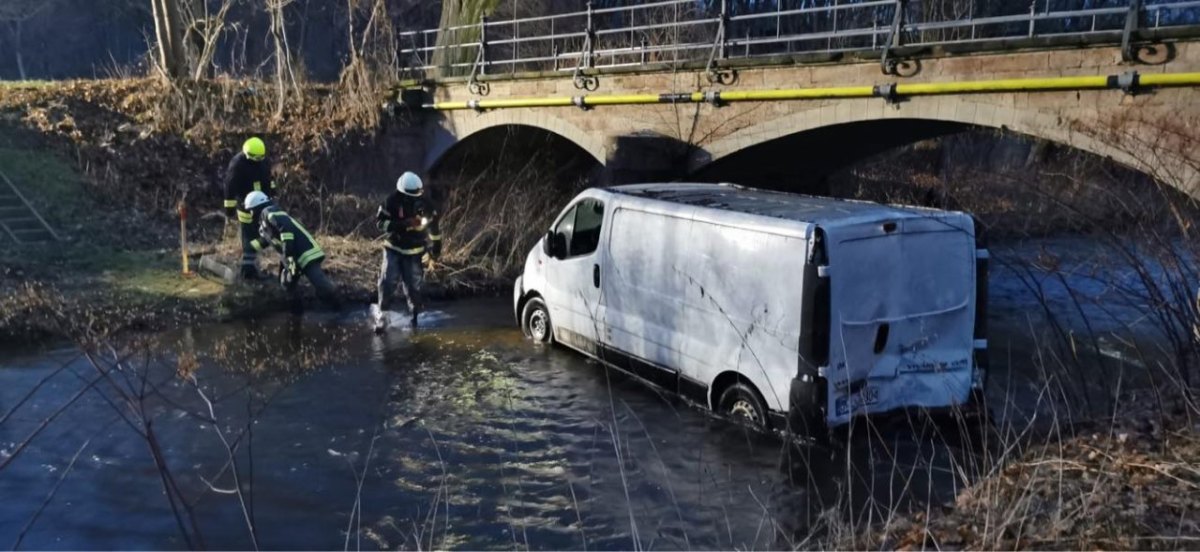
column 796, row 207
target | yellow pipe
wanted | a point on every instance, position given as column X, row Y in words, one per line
column 1003, row 85
column 797, row 94
column 626, row 99
column 505, row 104
column 1097, row 82
column 1169, row 79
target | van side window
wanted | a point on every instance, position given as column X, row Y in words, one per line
column 566, row 226
column 589, row 214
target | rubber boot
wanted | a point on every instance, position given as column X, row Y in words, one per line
column 379, row 319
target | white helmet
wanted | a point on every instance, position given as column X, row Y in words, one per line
column 410, row 184
column 255, row 200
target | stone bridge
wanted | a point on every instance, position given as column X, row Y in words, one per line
column 639, row 139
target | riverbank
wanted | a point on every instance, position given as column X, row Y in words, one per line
column 107, row 163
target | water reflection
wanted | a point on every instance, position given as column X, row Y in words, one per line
column 460, row 434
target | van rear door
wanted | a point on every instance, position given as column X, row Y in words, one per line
column 902, row 314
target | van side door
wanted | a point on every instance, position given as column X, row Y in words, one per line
column 573, row 276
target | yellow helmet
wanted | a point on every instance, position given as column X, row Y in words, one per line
column 255, row 149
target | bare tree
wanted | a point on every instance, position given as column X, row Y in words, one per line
column 169, row 32
column 285, row 75
column 14, row 13
column 204, row 28
column 188, row 32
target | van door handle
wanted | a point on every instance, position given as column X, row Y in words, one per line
column 596, row 275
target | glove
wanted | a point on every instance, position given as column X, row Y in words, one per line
column 287, row 273
column 230, row 213
column 436, row 249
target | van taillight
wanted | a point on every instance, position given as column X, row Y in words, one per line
column 820, row 329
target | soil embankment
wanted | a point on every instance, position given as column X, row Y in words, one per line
column 109, row 162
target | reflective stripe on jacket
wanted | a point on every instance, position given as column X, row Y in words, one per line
column 410, row 223
column 281, row 231
column 245, row 175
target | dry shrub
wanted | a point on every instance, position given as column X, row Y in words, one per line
column 1130, row 483
column 491, row 220
column 374, row 65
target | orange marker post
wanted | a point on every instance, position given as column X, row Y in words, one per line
column 183, row 247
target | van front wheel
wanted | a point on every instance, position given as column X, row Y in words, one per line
column 741, row 403
column 535, row 321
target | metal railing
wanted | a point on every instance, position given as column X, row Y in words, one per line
column 711, row 31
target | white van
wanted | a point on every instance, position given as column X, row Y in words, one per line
column 794, row 312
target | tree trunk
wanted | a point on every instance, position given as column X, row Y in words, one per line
column 283, row 55
column 168, row 29
column 457, row 13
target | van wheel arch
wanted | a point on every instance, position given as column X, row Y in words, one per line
column 532, row 306
column 725, row 381
column 525, row 299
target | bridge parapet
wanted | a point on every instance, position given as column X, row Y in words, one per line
column 722, row 35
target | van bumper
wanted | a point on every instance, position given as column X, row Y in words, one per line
column 517, row 293
column 805, row 400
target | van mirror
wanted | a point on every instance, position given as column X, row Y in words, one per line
column 556, row 245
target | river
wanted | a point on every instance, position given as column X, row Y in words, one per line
column 461, row 434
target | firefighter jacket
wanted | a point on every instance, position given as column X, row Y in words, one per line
column 278, row 229
column 242, row 177
column 411, row 224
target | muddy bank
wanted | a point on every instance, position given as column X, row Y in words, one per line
column 146, row 292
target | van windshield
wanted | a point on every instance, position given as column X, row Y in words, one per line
column 904, row 274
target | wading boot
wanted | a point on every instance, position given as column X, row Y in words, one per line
column 378, row 319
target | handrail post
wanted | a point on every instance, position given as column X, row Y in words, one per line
column 483, row 57
column 1131, row 25
column 833, row 15
column 586, row 55
column 721, row 27
column 718, row 51
column 590, row 43
column 895, row 38
column 481, row 61
column 1032, row 16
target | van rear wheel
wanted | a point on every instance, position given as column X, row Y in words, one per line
column 535, row 321
column 743, row 404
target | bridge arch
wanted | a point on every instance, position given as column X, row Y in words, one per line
column 460, row 126
column 945, row 112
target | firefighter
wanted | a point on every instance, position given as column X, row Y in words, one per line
column 299, row 252
column 410, row 221
column 249, row 171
